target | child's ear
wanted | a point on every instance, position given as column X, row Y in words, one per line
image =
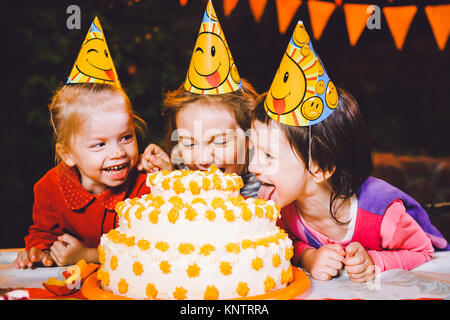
column 320, row 175
column 65, row 154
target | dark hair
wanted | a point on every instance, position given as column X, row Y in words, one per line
column 340, row 142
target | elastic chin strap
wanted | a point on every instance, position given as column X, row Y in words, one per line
column 309, row 146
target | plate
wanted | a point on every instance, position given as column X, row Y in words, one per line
column 91, row 289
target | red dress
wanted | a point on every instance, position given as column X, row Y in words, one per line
column 62, row 205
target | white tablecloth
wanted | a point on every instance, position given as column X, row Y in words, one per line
column 430, row 280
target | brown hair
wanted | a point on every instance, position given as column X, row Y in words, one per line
column 72, row 104
column 239, row 102
column 340, row 142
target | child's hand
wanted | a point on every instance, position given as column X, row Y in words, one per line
column 358, row 263
column 154, row 159
column 26, row 258
column 325, row 262
column 67, row 250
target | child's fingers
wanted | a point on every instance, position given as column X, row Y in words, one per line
column 22, row 260
column 352, row 249
column 334, row 264
column 67, row 238
column 338, row 249
column 160, row 163
column 357, row 259
column 355, row 269
column 57, row 251
column 55, row 258
column 47, row 260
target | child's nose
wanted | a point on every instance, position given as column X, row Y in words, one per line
column 207, row 156
column 253, row 166
column 118, row 152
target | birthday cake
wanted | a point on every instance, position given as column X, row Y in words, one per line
column 195, row 237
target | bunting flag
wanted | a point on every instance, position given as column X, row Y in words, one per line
column 319, row 14
column 228, row 6
column 286, row 10
column 399, row 20
column 257, row 7
column 356, row 18
column 439, row 18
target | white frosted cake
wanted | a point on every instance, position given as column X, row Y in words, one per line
column 195, row 237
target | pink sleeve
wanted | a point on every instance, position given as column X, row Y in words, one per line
column 405, row 244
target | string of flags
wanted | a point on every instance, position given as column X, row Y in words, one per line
column 398, row 18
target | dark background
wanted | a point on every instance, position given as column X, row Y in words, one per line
column 404, row 95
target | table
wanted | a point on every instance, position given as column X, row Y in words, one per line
column 430, row 280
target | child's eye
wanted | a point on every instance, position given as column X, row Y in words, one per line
column 128, row 138
column 268, row 156
column 220, row 142
column 97, row 145
column 188, row 145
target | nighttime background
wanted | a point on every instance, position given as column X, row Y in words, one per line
column 404, row 95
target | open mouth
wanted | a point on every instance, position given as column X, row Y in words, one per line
column 266, row 191
column 213, row 78
column 279, row 104
column 109, row 72
column 117, row 172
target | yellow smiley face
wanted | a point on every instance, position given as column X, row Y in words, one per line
column 312, row 108
column 95, row 61
column 331, row 96
column 235, row 74
column 320, row 87
column 210, row 62
column 300, row 35
column 210, row 11
column 288, row 87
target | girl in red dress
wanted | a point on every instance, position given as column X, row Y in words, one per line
column 96, row 147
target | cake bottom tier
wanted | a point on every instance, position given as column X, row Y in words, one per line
column 152, row 274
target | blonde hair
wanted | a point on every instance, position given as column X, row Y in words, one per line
column 72, row 104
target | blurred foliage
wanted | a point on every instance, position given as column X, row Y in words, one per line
column 404, row 95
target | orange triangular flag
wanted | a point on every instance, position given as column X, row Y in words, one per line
column 286, row 10
column 438, row 16
column 399, row 19
column 183, row 2
column 319, row 13
column 356, row 18
column 257, row 7
column 228, row 6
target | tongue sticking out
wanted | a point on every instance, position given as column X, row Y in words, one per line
column 214, row 79
column 110, row 74
column 265, row 192
column 279, row 105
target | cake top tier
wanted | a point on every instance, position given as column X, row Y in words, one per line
column 194, row 182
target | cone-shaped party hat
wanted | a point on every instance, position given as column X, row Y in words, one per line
column 212, row 69
column 301, row 93
column 94, row 63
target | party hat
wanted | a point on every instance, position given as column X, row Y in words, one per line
column 94, row 63
column 301, row 93
column 212, row 69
